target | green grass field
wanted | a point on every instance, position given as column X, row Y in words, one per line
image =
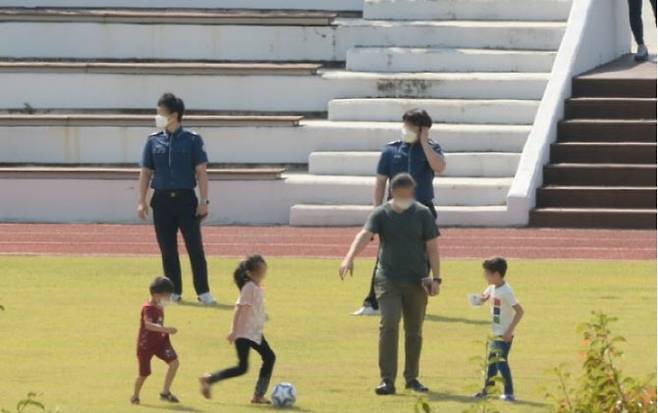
column 70, row 324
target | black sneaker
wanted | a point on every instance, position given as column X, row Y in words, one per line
column 169, row 397
column 416, row 386
column 385, row 388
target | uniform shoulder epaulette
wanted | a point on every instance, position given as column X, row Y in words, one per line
column 155, row 133
column 191, row 132
column 395, row 142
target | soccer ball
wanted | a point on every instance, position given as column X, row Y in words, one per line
column 284, row 395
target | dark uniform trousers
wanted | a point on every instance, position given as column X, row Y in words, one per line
column 174, row 210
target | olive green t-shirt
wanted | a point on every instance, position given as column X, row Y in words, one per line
column 402, row 237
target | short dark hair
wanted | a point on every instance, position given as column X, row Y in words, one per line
column 402, row 180
column 161, row 285
column 495, row 264
column 173, row 104
column 417, row 117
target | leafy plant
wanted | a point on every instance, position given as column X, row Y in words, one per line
column 484, row 405
column 28, row 405
column 602, row 388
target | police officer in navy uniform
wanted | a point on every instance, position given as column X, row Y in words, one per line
column 173, row 161
column 415, row 153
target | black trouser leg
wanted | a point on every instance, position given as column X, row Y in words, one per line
column 266, row 369
column 635, row 18
column 371, row 298
column 190, row 226
column 166, row 230
column 242, row 347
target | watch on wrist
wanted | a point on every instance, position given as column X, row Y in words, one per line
column 205, row 201
column 438, row 280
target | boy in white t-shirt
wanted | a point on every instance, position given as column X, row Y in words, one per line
column 506, row 313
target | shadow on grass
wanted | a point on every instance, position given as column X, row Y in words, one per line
column 256, row 407
column 171, row 407
column 461, row 398
column 461, row 320
column 211, row 306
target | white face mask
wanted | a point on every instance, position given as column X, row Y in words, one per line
column 164, row 303
column 161, row 121
column 402, row 204
column 408, row 136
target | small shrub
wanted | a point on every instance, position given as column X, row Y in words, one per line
column 602, row 388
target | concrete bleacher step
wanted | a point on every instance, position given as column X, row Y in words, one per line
column 473, row 164
column 337, row 5
column 355, row 215
column 261, row 41
column 467, row 10
column 129, row 173
column 615, row 197
column 594, row 218
column 610, row 108
column 127, row 120
column 584, row 86
column 499, row 111
column 607, row 130
column 160, row 67
column 244, row 87
column 600, row 174
column 325, row 189
column 168, row 16
column 409, row 59
column 604, row 152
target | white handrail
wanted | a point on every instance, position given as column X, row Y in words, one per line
column 597, row 32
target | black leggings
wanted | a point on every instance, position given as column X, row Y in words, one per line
column 242, row 346
column 635, row 17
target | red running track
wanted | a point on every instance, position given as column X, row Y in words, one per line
column 232, row 241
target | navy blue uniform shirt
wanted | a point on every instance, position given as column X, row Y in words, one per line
column 173, row 157
column 399, row 156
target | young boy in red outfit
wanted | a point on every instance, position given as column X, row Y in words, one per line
column 153, row 339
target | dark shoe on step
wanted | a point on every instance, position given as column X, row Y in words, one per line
column 385, row 388
column 416, row 386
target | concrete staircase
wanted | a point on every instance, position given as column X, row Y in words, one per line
column 268, row 84
column 603, row 166
column 485, row 44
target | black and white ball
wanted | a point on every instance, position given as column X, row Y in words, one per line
column 284, row 395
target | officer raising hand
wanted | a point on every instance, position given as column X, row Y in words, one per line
column 173, row 161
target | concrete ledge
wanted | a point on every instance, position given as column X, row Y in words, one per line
column 414, row 59
column 474, row 164
column 353, row 215
column 122, row 120
column 477, row 111
column 145, row 16
column 539, row 10
column 162, row 68
column 33, row 172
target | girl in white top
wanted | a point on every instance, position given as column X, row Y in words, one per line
column 247, row 329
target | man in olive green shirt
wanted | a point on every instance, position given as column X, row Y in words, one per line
column 408, row 246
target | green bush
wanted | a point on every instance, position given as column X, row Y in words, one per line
column 602, row 388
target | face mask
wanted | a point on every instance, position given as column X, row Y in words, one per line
column 164, row 303
column 402, row 204
column 409, row 136
column 161, row 121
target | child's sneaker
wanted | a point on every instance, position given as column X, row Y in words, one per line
column 260, row 400
column 207, row 299
column 205, row 386
column 481, row 395
column 134, row 400
column 508, row 398
column 169, row 397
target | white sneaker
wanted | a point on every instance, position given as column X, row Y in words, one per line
column 175, row 298
column 508, row 397
column 366, row 310
column 207, row 299
column 642, row 54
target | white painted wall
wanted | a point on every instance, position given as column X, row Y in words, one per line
column 106, row 144
column 597, row 32
column 354, row 5
column 114, row 201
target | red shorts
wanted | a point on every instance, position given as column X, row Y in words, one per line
column 165, row 352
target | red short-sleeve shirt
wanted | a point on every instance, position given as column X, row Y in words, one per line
column 151, row 340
